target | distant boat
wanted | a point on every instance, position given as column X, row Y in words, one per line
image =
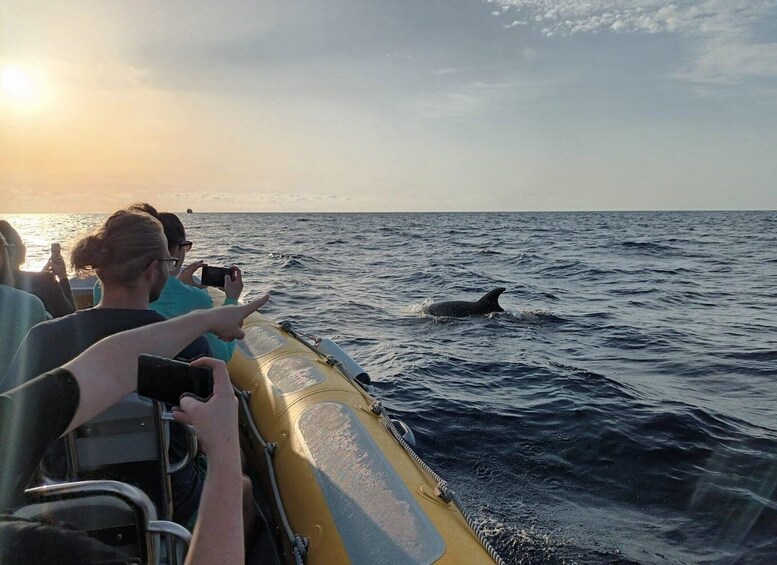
column 189, row 211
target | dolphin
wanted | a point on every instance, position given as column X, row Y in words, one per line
column 489, row 303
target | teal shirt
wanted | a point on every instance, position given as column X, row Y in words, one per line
column 178, row 299
column 19, row 311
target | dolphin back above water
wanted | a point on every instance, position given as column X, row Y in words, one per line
column 489, row 303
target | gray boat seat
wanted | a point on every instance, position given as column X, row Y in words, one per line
column 128, row 442
column 118, row 514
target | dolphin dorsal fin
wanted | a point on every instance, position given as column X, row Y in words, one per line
column 492, row 296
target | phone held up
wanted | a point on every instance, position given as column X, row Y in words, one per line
column 214, row 276
column 167, row 379
column 56, row 253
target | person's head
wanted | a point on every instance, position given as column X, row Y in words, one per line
column 128, row 251
column 177, row 244
column 143, row 207
column 17, row 252
column 6, row 277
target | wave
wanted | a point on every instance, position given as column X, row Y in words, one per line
column 537, row 316
column 577, row 380
column 698, row 298
column 292, row 264
column 293, row 260
column 244, row 250
column 579, row 270
column 649, row 246
column 761, row 356
column 634, row 291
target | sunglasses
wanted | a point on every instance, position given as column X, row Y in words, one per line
column 186, row 245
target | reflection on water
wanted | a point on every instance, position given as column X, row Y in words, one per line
column 39, row 231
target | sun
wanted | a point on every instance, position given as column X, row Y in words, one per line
column 16, row 83
column 22, row 89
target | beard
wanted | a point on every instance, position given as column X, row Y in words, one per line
column 159, row 284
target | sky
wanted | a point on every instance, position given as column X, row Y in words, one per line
column 347, row 105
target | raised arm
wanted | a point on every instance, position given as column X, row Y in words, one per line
column 107, row 371
column 218, row 534
column 56, row 266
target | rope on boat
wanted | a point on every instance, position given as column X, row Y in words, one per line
column 298, row 543
column 443, row 489
column 287, row 326
column 243, row 396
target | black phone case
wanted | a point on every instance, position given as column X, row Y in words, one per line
column 166, row 379
column 214, row 276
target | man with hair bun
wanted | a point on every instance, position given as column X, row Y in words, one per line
column 181, row 293
column 129, row 255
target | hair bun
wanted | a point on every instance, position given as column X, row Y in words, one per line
column 90, row 253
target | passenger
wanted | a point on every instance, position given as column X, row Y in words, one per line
column 181, row 294
column 47, row 407
column 129, row 255
column 19, row 311
column 50, row 285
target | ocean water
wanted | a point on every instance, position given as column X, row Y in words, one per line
column 622, row 410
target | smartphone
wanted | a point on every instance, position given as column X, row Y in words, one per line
column 56, row 254
column 167, row 379
column 214, row 276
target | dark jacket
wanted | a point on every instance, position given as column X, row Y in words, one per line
column 57, row 297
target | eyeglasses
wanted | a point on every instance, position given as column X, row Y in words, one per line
column 173, row 260
column 186, row 245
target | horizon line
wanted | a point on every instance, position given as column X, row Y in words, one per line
column 592, row 211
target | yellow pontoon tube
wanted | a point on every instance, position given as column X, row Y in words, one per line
column 348, row 486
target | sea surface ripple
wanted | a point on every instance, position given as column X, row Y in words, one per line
column 622, row 410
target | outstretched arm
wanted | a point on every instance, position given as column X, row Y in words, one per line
column 107, row 371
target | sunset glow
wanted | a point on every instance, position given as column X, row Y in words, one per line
column 498, row 105
column 22, row 91
column 16, row 83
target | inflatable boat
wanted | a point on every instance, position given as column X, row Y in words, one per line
column 336, row 478
column 347, row 486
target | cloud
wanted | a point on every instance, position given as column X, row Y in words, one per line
column 474, row 97
column 568, row 17
column 447, row 71
column 724, row 33
column 726, row 63
column 252, row 197
column 98, row 75
column 466, row 92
